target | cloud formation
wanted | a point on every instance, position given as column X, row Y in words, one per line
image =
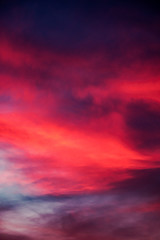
column 79, row 120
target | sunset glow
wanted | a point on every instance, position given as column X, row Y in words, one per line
column 79, row 120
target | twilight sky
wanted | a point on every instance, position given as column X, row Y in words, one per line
column 79, row 120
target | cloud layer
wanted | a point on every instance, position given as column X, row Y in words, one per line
column 79, row 120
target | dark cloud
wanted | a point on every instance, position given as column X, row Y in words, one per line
column 142, row 182
column 5, row 207
column 105, row 216
column 143, row 120
column 77, row 226
column 5, row 236
column 83, row 110
column 47, row 198
column 143, row 117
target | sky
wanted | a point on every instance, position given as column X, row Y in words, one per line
column 79, row 120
